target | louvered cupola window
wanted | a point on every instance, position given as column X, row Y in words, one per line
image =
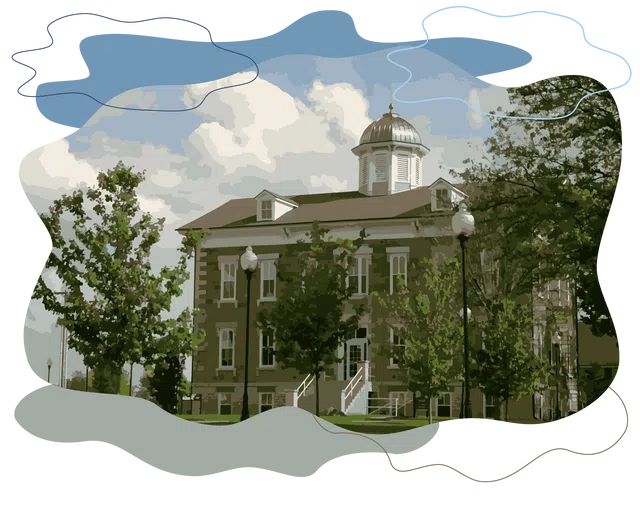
column 364, row 171
column 381, row 167
column 417, row 171
column 403, row 168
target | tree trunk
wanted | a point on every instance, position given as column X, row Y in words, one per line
column 506, row 410
column 317, row 396
column 430, row 411
column 414, row 404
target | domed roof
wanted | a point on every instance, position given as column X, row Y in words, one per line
column 390, row 128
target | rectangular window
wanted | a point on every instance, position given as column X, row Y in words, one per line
column 418, row 171
column 444, row 405
column 443, row 199
column 266, row 209
column 268, row 279
column 364, row 171
column 489, row 406
column 228, row 287
column 358, row 280
column 397, row 347
column 266, row 401
column 398, row 270
column 227, row 348
column 381, row 167
column 267, row 347
column 224, row 403
column 403, row 168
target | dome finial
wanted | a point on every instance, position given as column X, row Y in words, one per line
column 390, row 108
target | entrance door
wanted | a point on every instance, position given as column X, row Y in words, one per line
column 355, row 353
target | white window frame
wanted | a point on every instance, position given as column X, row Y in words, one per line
column 261, row 347
column 484, row 404
column 260, row 402
column 233, row 348
column 223, row 266
column 362, row 270
column 396, row 256
column 450, row 394
column 393, row 344
column 271, row 204
column 230, row 395
column 267, row 263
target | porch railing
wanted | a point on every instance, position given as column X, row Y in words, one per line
column 301, row 389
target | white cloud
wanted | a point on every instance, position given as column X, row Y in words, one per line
column 331, row 182
column 53, row 166
column 157, row 207
column 166, row 179
column 135, row 98
column 485, row 100
column 259, row 123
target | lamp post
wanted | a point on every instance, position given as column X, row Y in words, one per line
column 49, row 364
column 556, row 346
column 463, row 226
column 248, row 262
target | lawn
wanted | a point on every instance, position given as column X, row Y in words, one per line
column 357, row 423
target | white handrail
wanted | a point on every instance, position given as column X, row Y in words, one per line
column 304, row 385
column 353, row 382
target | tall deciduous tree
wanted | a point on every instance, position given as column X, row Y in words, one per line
column 424, row 313
column 113, row 305
column 545, row 187
column 506, row 366
column 311, row 319
column 167, row 383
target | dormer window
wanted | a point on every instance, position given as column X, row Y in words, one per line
column 267, row 209
column 443, row 199
column 272, row 206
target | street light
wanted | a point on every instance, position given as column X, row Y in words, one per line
column 249, row 263
column 556, row 345
column 463, row 226
column 49, row 364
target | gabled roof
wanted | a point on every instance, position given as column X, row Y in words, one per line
column 454, row 187
column 285, row 199
column 331, row 207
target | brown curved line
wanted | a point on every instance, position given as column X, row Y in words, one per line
column 552, row 454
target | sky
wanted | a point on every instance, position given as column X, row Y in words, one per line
column 291, row 131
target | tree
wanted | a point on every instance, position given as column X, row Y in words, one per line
column 77, row 381
column 114, row 306
column 426, row 317
column 307, row 322
column 167, row 383
column 506, row 367
column 545, row 188
column 595, row 383
column 144, row 386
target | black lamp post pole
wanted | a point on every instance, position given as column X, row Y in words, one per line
column 467, row 402
column 245, row 395
column 48, row 373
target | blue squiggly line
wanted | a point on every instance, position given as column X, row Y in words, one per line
column 488, row 113
column 115, row 106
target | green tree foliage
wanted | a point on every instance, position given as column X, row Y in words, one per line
column 544, row 189
column 594, row 383
column 425, row 314
column 308, row 320
column 506, row 367
column 114, row 306
column 142, row 390
column 166, row 384
column 77, row 381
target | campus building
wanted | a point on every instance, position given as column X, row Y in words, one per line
column 405, row 221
